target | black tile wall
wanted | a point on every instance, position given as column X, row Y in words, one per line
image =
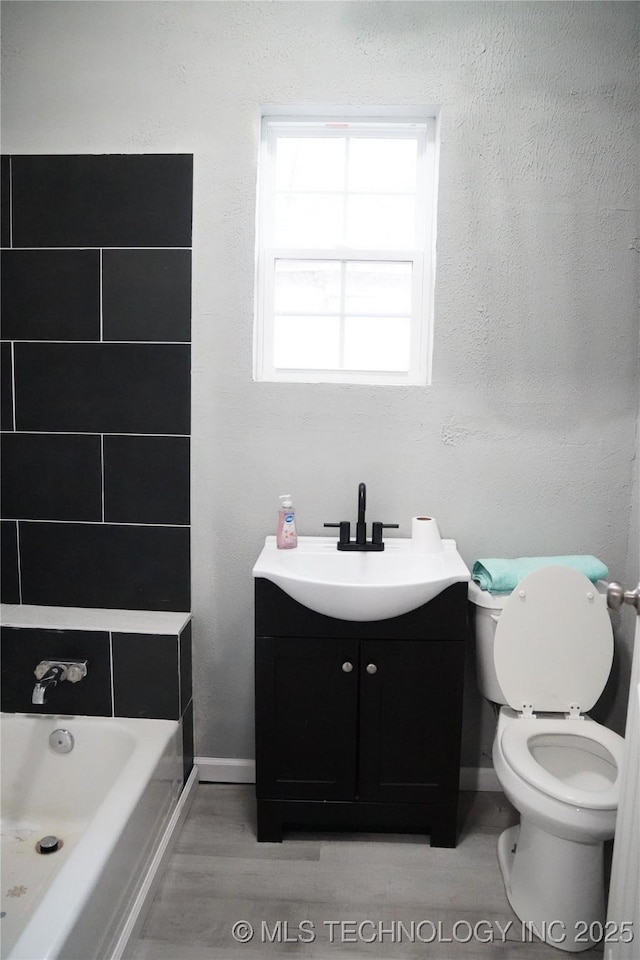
column 186, row 699
column 128, row 566
column 49, row 476
column 10, row 577
column 5, row 202
column 154, row 661
column 6, row 387
column 147, row 295
column 101, row 201
column 96, row 319
column 50, row 294
column 187, row 741
column 102, row 387
column 23, row 649
column 185, row 667
column 146, row 479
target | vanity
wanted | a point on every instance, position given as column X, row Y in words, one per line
column 359, row 702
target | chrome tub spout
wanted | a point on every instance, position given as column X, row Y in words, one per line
column 49, row 673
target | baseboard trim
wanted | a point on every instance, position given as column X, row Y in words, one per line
column 479, row 779
column 225, row 770
column 236, row 770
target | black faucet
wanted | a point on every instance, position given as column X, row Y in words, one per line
column 361, row 525
column 361, row 543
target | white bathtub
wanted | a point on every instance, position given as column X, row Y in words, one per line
column 110, row 800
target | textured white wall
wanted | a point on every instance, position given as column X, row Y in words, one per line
column 524, row 443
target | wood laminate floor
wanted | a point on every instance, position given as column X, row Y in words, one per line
column 330, row 896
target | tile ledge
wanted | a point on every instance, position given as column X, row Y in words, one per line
column 90, row 618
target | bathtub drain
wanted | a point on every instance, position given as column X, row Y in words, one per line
column 48, row 844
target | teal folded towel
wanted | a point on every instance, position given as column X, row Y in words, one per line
column 501, row 576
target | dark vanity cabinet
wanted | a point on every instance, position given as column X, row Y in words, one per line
column 358, row 724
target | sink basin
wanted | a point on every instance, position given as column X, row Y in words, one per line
column 360, row 586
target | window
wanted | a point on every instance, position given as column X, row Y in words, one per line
column 345, row 247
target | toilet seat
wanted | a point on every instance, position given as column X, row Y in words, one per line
column 590, row 738
column 553, row 646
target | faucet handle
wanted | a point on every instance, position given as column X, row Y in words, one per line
column 378, row 527
column 76, row 671
column 45, row 665
column 345, row 530
column 41, row 669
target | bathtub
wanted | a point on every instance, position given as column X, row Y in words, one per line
column 111, row 801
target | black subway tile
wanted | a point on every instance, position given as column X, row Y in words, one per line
column 5, row 198
column 145, row 676
column 104, row 565
column 22, row 651
column 51, row 294
column 146, row 479
column 103, row 387
column 6, row 387
column 186, row 676
column 127, row 200
column 187, row 741
column 10, row 579
column 146, row 295
column 51, row 477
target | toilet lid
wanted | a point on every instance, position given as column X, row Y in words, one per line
column 554, row 642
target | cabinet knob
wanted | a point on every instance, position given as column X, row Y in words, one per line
column 371, row 668
column 347, row 667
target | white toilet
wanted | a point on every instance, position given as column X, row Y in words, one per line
column 545, row 652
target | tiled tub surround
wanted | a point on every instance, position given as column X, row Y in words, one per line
column 96, row 330
column 139, row 663
column 96, row 327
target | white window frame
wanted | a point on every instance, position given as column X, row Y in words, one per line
column 422, row 257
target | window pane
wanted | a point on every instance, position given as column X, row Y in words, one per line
column 311, row 343
column 378, row 166
column 381, row 221
column 307, row 286
column 377, row 343
column 378, row 288
column 308, row 220
column 310, row 163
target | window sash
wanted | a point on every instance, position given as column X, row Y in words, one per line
column 417, row 348
column 418, row 132
column 418, row 256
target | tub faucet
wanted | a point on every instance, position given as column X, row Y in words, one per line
column 49, row 673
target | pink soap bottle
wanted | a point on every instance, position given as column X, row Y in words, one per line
column 286, row 536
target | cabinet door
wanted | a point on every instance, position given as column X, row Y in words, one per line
column 306, row 718
column 410, row 719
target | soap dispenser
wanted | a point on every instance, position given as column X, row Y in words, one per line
column 286, row 536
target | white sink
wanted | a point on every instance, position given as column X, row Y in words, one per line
column 360, row 585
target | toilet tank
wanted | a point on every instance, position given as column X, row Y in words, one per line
column 487, row 608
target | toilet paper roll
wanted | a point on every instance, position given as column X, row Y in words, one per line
column 425, row 536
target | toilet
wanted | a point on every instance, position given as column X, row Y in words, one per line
column 544, row 653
